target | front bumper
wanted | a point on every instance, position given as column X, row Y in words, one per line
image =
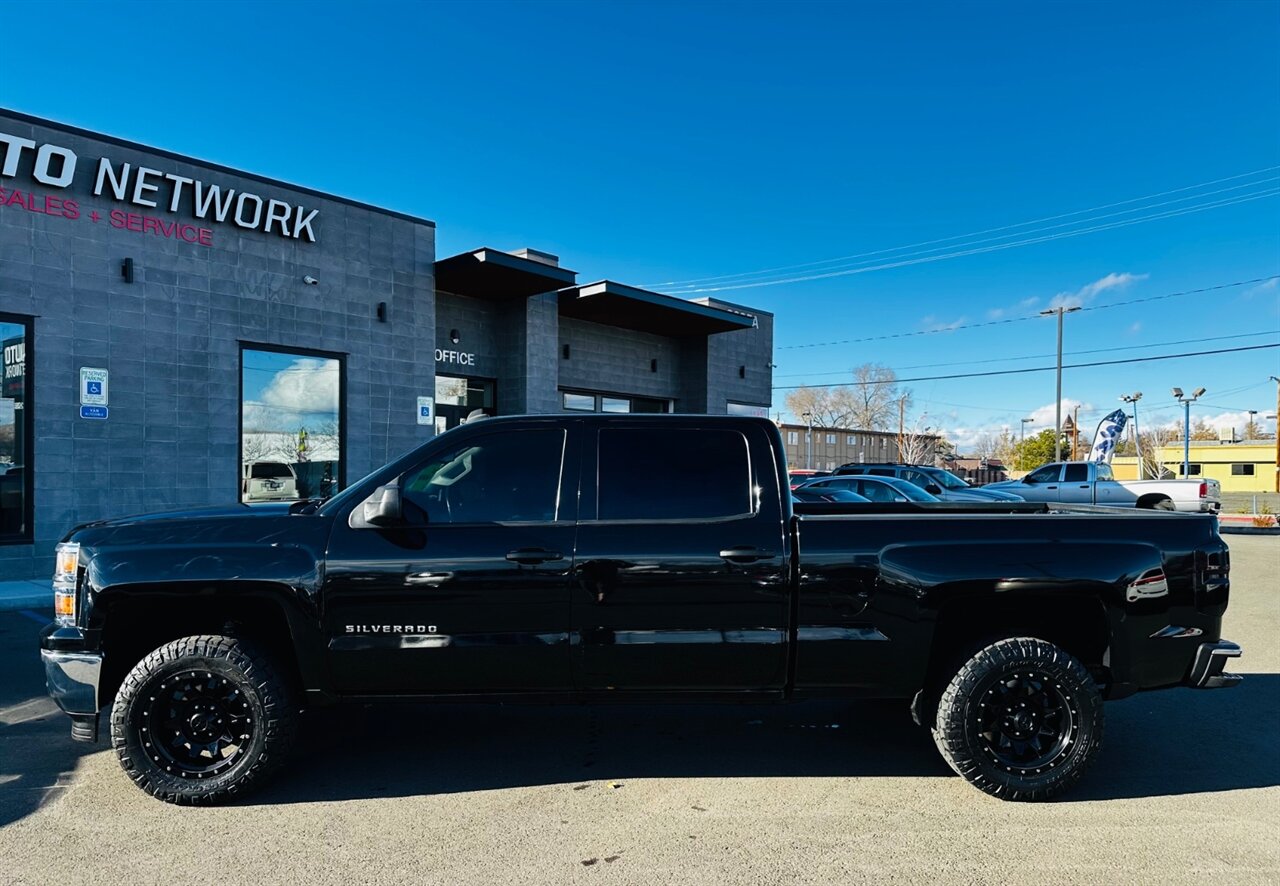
column 72, row 677
column 1207, row 669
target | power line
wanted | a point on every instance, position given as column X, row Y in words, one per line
column 695, row 280
column 1046, row 368
column 1154, row 344
column 1007, row 320
column 985, row 249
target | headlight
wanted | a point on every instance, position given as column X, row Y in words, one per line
column 66, row 569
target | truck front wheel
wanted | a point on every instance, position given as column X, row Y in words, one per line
column 202, row 720
column 1022, row 720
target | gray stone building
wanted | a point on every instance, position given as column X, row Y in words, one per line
column 177, row 334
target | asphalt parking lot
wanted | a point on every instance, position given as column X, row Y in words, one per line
column 1187, row 788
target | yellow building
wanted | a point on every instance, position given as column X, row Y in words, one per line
column 1239, row 467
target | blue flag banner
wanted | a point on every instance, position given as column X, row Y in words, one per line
column 1107, row 436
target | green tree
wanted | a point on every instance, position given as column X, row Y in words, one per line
column 1033, row 452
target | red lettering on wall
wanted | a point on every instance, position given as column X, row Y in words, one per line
column 60, row 207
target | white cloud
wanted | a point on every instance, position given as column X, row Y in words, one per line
column 1270, row 287
column 995, row 313
column 932, row 324
column 310, row 384
column 1044, row 416
column 1090, row 291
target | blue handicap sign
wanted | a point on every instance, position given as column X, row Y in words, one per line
column 424, row 411
column 93, row 412
column 94, row 387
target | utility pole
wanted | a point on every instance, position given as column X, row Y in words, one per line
column 1277, row 381
column 902, row 419
column 1137, row 441
column 1057, row 423
column 808, row 416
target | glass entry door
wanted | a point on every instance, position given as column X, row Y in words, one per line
column 456, row 398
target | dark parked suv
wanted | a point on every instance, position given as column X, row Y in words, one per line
column 944, row 484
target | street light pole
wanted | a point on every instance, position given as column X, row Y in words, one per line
column 1022, row 434
column 1057, row 425
column 1186, row 426
column 808, row 416
column 1137, row 440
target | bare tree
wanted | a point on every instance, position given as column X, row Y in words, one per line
column 985, row 445
column 878, row 403
column 1202, row 431
column 1005, row 447
column 1154, row 440
column 919, row 444
column 829, row 407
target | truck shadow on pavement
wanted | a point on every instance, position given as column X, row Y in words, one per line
column 1166, row 743
column 37, row 755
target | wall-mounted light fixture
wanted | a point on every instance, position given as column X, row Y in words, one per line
column 742, row 372
column 453, row 336
column 126, row 270
column 565, row 351
column 310, row 281
column 382, row 312
column 653, row 365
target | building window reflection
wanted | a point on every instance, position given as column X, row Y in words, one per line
column 291, row 424
column 15, row 430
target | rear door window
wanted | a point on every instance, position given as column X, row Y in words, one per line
column 1077, row 474
column 684, row 474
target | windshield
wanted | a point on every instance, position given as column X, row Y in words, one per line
column 910, row 490
column 948, row 480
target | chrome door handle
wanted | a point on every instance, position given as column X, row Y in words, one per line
column 745, row 555
column 434, row 579
column 532, row 556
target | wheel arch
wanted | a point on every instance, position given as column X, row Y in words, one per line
column 134, row 620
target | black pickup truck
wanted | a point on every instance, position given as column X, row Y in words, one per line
column 624, row 558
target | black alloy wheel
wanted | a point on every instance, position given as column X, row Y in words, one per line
column 197, row 724
column 202, row 720
column 1021, row 720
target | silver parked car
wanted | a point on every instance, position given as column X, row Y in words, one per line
column 268, row 481
column 882, row 489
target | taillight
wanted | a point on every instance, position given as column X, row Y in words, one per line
column 1204, row 490
column 66, row 570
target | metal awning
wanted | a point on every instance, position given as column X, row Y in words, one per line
column 493, row 274
column 614, row 304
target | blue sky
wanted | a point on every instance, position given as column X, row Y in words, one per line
column 652, row 143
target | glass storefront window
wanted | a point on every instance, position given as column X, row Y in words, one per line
column 579, row 402
column 614, row 404
column 457, row 398
column 15, row 430
column 291, row 425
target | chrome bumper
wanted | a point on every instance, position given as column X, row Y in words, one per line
column 1207, row 669
column 72, row 680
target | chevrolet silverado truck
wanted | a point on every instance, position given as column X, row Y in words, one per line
column 1092, row 483
column 615, row 558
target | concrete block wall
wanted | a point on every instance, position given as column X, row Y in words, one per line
column 615, row 360
column 171, row 338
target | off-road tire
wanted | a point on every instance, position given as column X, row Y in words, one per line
column 979, row 712
column 262, row 696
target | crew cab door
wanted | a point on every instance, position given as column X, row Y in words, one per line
column 681, row 579
column 469, row 592
column 1076, row 486
column 1041, row 484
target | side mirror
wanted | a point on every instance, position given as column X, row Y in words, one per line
column 933, row 489
column 1027, row 479
column 384, row 507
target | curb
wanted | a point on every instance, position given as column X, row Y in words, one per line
column 1231, row 529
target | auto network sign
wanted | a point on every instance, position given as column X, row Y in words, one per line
column 34, row 177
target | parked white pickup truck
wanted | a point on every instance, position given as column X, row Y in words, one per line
column 1090, row 483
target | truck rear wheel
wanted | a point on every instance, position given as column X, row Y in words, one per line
column 202, row 720
column 1022, row 720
